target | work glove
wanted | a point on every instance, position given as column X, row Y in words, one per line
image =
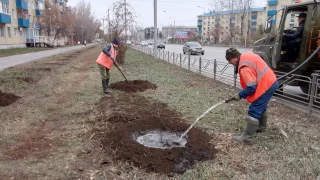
column 236, row 97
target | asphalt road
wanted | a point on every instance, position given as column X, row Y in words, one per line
column 225, row 72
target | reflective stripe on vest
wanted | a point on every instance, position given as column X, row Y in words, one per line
column 265, row 77
column 105, row 60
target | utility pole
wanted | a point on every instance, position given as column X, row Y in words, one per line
column 155, row 30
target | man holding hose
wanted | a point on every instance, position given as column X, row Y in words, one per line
column 105, row 61
column 259, row 84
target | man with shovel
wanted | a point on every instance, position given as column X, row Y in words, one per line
column 259, row 84
column 105, row 61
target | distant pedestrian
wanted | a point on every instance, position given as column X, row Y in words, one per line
column 105, row 61
column 85, row 42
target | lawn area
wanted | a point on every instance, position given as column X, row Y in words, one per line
column 17, row 51
column 60, row 126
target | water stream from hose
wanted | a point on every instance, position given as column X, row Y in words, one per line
column 195, row 122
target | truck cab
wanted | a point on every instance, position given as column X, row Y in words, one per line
column 274, row 47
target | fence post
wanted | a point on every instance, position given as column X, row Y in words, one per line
column 235, row 78
column 180, row 59
column 189, row 62
column 200, row 64
column 215, row 70
column 164, row 55
column 168, row 56
column 313, row 89
column 173, row 58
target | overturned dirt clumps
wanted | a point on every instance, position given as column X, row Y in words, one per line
column 136, row 114
column 133, row 86
column 7, row 98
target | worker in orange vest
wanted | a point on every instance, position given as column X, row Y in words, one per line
column 105, row 61
column 259, row 84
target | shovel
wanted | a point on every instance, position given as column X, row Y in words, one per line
column 122, row 73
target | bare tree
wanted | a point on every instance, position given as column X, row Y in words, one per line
column 244, row 7
column 231, row 6
column 216, row 32
column 86, row 25
column 56, row 22
column 216, row 5
column 124, row 17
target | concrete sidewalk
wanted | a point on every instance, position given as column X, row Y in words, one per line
column 11, row 61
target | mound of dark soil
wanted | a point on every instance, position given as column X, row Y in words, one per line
column 134, row 114
column 6, row 98
column 133, row 86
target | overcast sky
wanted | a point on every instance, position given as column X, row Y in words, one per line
column 183, row 11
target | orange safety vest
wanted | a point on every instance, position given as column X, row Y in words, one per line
column 264, row 76
column 105, row 60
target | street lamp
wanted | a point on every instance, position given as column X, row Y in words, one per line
column 204, row 9
column 155, row 29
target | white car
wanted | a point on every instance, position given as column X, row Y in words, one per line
column 144, row 43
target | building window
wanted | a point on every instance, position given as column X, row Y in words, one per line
column 4, row 7
column 15, row 32
column 14, row 15
column 33, row 5
column 21, row 33
column 9, row 32
column 1, row 31
column 292, row 20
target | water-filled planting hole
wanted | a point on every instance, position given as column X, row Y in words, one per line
column 160, row 139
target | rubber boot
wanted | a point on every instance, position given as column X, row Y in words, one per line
column 250, row 129
column 105, row 84
column 262, row 123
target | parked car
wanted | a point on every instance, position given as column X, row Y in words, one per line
column 144, row 43
column 192, row 47
column 128, row 42
column 137, row 43
column 161, row 45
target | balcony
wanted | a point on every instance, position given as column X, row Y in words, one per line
column 199, row 21
column 253, row 23
column 61, row 3
column 21, row 4
column 217, row 19
column 39, row 12
column 23, row 22
column 272, row 2
column 5, row 18
column 273, row 22
column 200, row 26
column 254, row 17
column 39, row 1
column 253, row 29
column 272, row 12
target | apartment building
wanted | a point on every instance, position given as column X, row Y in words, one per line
column 19, row 22
column 251, row 21
column 274, row 5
